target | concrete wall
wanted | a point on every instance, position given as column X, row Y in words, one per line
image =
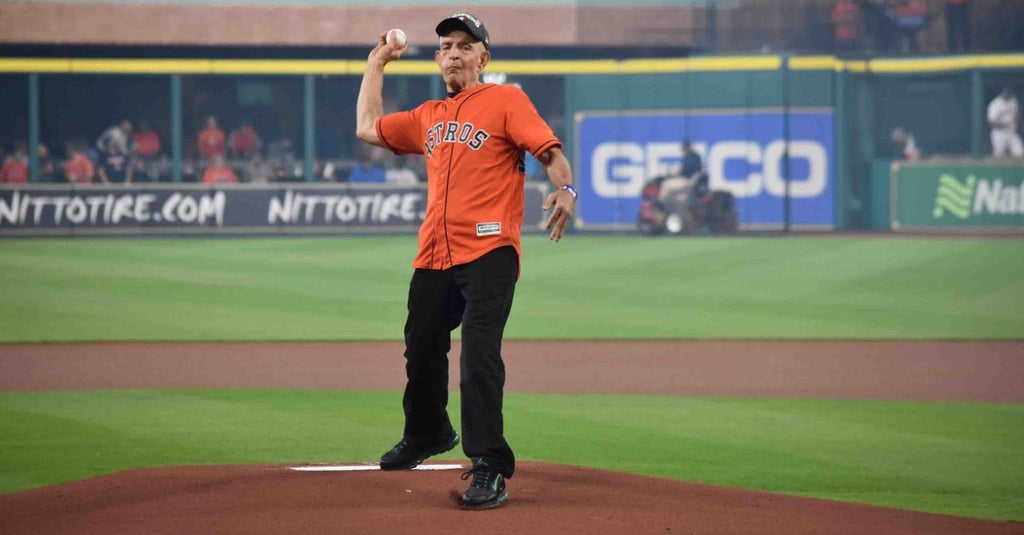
column 260, row 24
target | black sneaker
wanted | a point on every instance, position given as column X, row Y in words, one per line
column 405, row 456
column 487, row 490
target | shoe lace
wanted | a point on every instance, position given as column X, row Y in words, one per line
column 482, row 474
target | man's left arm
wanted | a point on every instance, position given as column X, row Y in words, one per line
column 563, row 199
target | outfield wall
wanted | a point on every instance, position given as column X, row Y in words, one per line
column 793, row 137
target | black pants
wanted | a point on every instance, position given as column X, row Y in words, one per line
column 477, row 295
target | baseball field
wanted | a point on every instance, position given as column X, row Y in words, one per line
column 886, row 371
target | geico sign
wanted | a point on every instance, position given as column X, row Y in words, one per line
column 620, row 169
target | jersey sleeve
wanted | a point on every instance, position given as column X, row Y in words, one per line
column 401, row 132
column 525, row 126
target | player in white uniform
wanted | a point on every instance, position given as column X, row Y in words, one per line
column 1003, row 120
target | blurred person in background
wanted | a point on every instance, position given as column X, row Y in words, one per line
column 147, row 147
column 368, row 171
column 117, row 137
column 879, row 30
column 244, row 141
column 47, row 165
column 400, row 173
column 15, row 166
column 692, row 163
column 115, row 167
column 846, row 20
column 958, row 25
column 689, row 176
column 1003, row 121
column 324, row 170
column 78, row 168
column 146, row 141
column 286, row 166
column 258, row 170
column 904, row 146
column 219, row 172
column 910, row 17
column 189, row 165
column 211, row 140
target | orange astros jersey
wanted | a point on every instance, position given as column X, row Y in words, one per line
column 474, row 146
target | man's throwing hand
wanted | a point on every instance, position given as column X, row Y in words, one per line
column 386, row 52
column 564, row 203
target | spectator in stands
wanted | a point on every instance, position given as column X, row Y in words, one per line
column 78, row 168
column 147, row 149
column 146, row 141
column 219, row 172
column 47, row 165
column 1003, row 121
column 400, row 173
column 244, row 140
column 15, row 166
column 324, row 171
column 846, row 19
column 211, row 140
column 904, row 146
column 910, row 17
column 286, row 166
column 117, row 137
column 370, row 169
column 958, row 25
column 115, row 167
column 259, row 170
column 367, row 171
column 879, row 31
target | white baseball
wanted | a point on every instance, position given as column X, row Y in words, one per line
column 396, row 36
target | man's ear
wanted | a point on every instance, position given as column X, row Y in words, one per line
column 437, row 56
column 485, row 58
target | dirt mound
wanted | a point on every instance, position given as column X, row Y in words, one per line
column 545, row 498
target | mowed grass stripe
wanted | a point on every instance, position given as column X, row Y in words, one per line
column 354, row 288
column 955, row 458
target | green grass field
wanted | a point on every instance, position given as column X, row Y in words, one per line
column 957, row 458
column 583, row 287
column 946, row 457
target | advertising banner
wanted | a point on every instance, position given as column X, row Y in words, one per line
column 198, row 209
column 957, row 196
column 743, row 152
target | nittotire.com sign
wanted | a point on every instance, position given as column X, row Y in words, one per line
column 199, row 209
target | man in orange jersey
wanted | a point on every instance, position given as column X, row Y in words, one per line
column 474, row 142
column 219, row 172
column 211, row 140
column 15, row 166
column 78, row 169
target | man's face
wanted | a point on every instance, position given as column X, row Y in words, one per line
column 461, row 59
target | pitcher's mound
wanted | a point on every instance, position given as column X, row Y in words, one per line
column 545, row 498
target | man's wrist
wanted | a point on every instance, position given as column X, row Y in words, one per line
column 571, row 190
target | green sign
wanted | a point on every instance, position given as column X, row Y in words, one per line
column 928, row 195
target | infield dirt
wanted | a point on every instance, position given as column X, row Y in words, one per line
column 545, row 498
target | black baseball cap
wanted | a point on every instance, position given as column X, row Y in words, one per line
column 467, row 23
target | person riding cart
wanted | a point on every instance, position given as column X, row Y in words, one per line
column 684, row 204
